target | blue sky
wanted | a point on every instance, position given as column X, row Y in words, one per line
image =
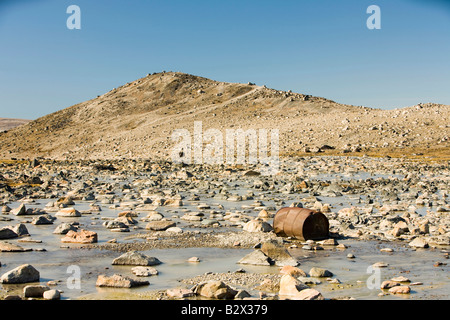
column 319, row 47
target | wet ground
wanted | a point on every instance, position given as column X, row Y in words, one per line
column 354, row 279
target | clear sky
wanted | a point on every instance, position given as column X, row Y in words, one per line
column 317, row 47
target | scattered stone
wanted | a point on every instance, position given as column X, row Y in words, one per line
column 308, row 294
column 144, row 271
column 290, row 287
column 242, row 294
column 193, row 259
column 179, row 293
column 68, row 213
column 21, row 230
column 51, row 294
column 418, row 243
column 400, row 290
column 256, row 257
column 293, row 271
column 174, row 230
column 160, row 225
column 257, row 226
column 278, row 253
column 135, row 258
column 380, row 265
column 7, row 233
column 82, row 236
column 34, row 291
column 20, row 211
column 10, row 247
column 41, row 220
column 401, row 279
column 22, row 274
column 63, row 228
column 320, row 272
column 329, row 242
column 388, row 284
column 215, row 289
column 119, row 281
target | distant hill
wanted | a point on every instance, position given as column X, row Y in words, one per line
column 8, row 124
column 137, row 119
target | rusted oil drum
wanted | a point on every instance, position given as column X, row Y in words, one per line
column 301, row 223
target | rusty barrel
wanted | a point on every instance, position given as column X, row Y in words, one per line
column 301, row 223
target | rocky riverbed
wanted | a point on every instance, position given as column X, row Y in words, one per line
column 205, row 232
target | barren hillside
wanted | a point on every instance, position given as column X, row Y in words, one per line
column 137, row 119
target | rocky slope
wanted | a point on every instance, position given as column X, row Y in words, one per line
column 137, row 120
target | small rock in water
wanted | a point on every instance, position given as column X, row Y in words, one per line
column 389, row 284
column 193, row 259
column 380, row 265
column 320, row 272
column 136, row 259
column 118, row 281
column 141, row 271
column 22, row 274
column 400, row 290
column 51, row 294
column 401, row 279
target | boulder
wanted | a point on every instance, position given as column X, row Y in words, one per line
column 257, row 226
column 388, row 284
column 135, row 258
column 126, row 220
column 290, row 286
column 34, row 291
column 215, row 289
column 130, row 214
column 308, row 294
column 160, row 225
column 319, row 272
column 419, row 243
column 21, row 230
column 178, row 293
column 256, row 257
column 119, row 281
column 20, row 211
column 174, row 230
column 153, row 216
column 83, row 236
column 7, row 233
column 51, row 294
column 63, row 228
column 400, row 290
column 22, row 274
column 144, row 271
column 10, row 247
column 278, row 253
column 293, row 271
column 114, row 224
column 68, row 213
column 43, row 219
column 173, row 203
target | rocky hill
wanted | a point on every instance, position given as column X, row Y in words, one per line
column 137, row 120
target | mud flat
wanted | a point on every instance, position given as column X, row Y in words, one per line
column 203, row 232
